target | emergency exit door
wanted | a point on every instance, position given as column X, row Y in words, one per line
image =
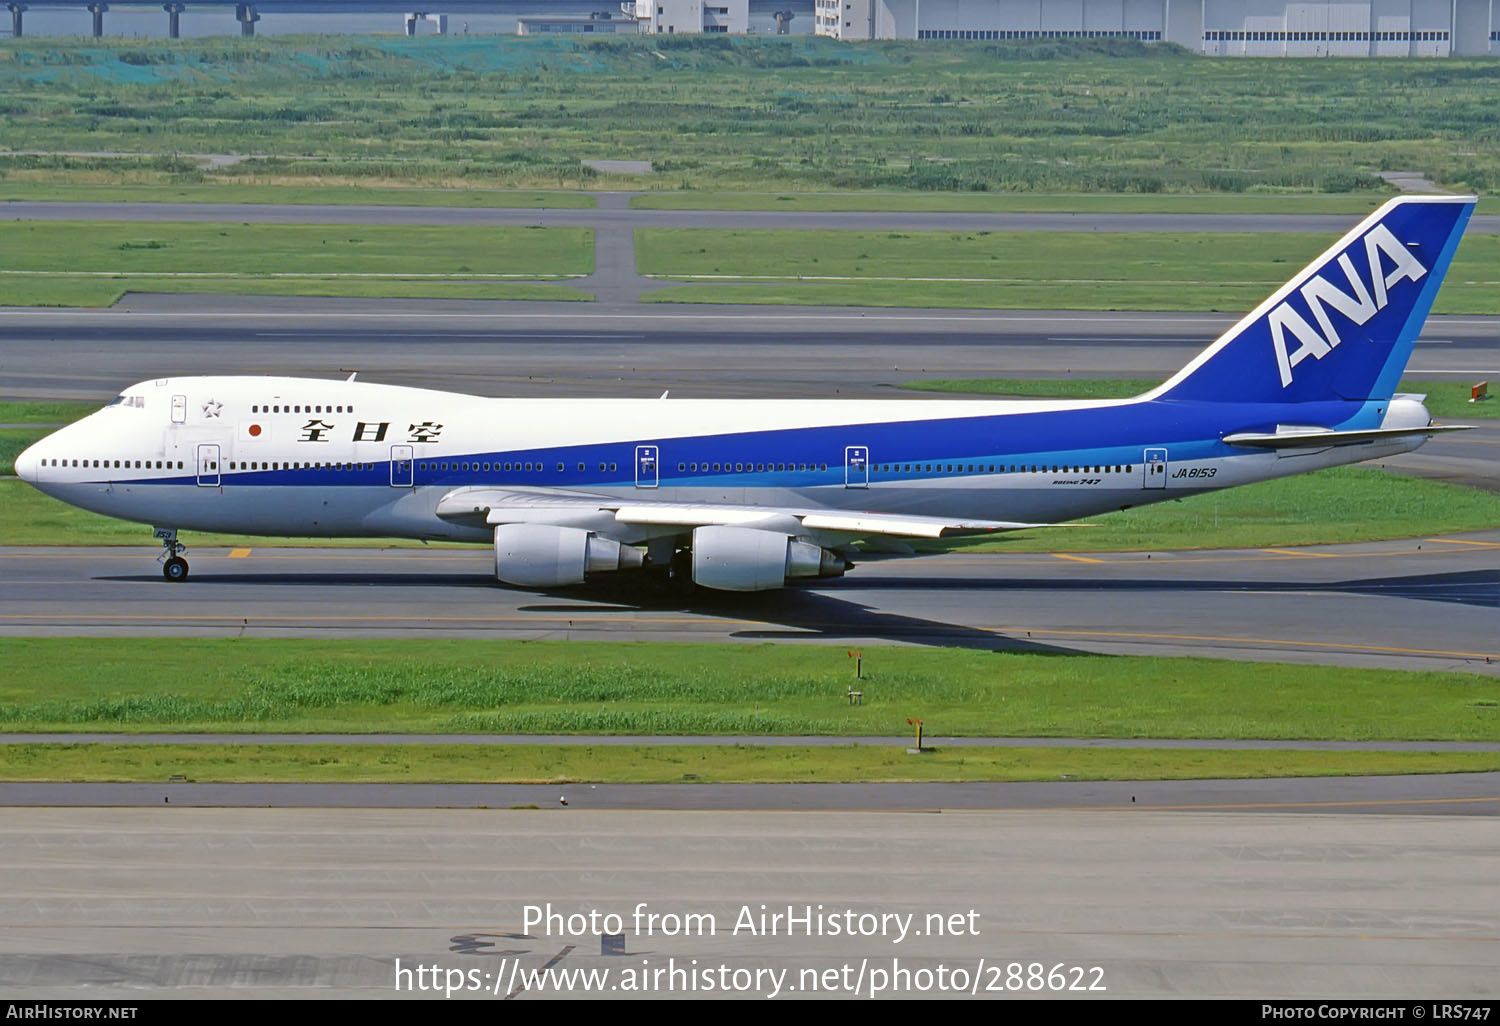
column 208, row 466
column 1154, row 467
column 401, row 466
column 856, row 466
column 647, row 473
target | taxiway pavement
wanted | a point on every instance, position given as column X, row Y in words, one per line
column 1428, row 603
column 135, row 903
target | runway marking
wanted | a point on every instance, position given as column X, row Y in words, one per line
column 1360, row 803
column 1464, row 541
column 1078, row 559
column 238, row 553
column 1300, row 552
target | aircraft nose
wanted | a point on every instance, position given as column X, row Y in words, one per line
column 27, row 463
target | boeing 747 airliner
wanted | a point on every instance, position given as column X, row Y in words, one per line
column 744, row 495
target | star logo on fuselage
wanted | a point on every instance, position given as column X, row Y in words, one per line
column 212, row 408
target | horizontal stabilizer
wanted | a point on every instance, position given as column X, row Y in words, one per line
column 1322, row 438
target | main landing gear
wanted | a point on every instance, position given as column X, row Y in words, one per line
column 173, row 566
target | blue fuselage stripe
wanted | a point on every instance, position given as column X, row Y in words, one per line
column 923, row 449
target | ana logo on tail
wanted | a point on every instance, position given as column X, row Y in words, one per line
column 1320, row 294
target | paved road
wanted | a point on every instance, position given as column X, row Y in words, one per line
column 1421, row 603
column 614, row 214
column 140, row 903
column 1455, row 794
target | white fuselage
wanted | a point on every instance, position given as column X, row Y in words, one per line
column 318, row 458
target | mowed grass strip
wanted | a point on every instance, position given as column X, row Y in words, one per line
column 1448, row 400
column 1018, row 202
column 1013, row 270
column 480, row 686
column 46, row 412
column 643, row 764
column 86, row 292
column 13, row 441
column 14, row 190
column 85, row 263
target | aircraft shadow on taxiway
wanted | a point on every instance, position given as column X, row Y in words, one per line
column 793, row 613
column 1464, row 587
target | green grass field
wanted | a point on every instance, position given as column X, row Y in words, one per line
column 770, row 115
column 14, row 190
column 93, row 263
column 1012, row 270
column 303, row 686
column 95, row 292
column 558, row 764
column 45, row 412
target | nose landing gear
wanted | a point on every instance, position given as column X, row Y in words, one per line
column 173, row 566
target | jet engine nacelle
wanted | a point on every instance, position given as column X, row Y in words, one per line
column 543, row 556
column 744, row 559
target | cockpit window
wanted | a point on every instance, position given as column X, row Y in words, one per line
column 136, row 401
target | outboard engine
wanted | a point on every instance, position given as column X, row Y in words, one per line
column 744, row 559
column 543, row 556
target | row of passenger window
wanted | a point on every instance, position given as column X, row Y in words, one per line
column 692, row 468
column 997, row 468
column 512, row 466
column 300, row 408
column 117, row 465
column 738, row 468
column 279, row 465
column 760, row 468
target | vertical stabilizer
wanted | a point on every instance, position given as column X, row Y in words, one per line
column 1344, row 327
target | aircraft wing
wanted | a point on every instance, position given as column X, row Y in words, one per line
column 557, row 506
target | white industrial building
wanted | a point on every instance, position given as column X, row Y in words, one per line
column 1255, row 28
column 675, row 17
column 600, row 23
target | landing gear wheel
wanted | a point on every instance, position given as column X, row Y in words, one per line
column 173, row 566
